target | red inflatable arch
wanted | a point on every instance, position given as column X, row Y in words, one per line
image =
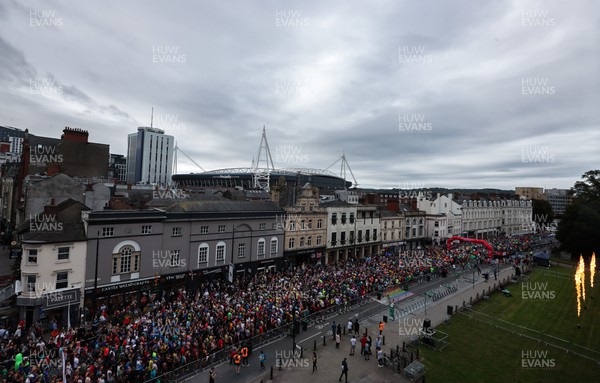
column 489, row 248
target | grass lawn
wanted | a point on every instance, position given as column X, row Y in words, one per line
column 523, row 338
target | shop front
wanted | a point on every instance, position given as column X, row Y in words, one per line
column 118, row 295
column 297, row 258
column 60, row 308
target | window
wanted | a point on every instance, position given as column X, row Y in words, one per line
column 202, row 254
column 367, row 235
column 309, row 241
column 319, row 223
column 62, row 280
column 343, row 238
column 32, row 256
column 291, row 243
column 176, row 232
column 436, row 224
column 31, row 283
column 310, row 223
column 108, row 231
column 63, row 253
column 262, row 226
column 333, row 218
column 127, row 260
column 241, row 250
column 343, row 218
column 273, row 246
column 261, row 248
column 203, row 229
column 175, row 258
column 333, row 239
column 351, row 217
column 292, row 225
column 220, row 257
column 319, row 240
column 375, row 234
column 147, row 229
column 301, row 241
column 221, row 228
column 360, row 236
column 385, row 236
column 352, row 236
column 302, row 225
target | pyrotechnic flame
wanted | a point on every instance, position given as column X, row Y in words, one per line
column 578, row 280
column 582, row 271
column 592, row 269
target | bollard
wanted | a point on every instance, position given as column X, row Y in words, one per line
column 324, row 339
column 271, row 373
column 403, row 346
column 315, row 346
column 383, row 336
column 411, row 357
column 280, row 364
column 344, row 330
column 301, row 352
column 417, row 353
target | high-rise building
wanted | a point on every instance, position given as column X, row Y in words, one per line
column 149, row 156
column 559, row 199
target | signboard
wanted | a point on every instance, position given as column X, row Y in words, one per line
column 230, row 273
column 60, row 299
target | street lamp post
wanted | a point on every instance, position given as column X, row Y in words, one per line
column 95, row 298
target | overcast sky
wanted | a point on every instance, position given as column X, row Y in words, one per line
column 415, row 93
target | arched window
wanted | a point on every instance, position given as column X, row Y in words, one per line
column 220, row 253
column 260, row 248
column 273, row 247
column 203, row 251
column 126, row 259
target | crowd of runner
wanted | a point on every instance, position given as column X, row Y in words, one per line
column 157, row 334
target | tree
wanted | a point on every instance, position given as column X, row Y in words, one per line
column 543, row 215
column 579, row 229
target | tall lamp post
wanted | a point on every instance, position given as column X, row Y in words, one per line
column 95, row 298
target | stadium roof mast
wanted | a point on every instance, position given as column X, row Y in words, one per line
column 345, row 165
column 262, row 175
column 177, row 150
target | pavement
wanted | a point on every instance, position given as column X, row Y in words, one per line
column 410, row 315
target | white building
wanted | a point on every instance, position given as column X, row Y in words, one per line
column 443, row 216
column 53, row 266
column 149, row 157
column 352, row 230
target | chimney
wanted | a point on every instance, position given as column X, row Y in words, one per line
column 75, row 135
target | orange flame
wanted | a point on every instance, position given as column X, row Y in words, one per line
column 579, row 275
column 592, row 269
column 582, row 271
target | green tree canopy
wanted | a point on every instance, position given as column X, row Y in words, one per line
column 579, row 229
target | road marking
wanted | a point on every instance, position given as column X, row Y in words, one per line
column 320, row 326
column 312, row 336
